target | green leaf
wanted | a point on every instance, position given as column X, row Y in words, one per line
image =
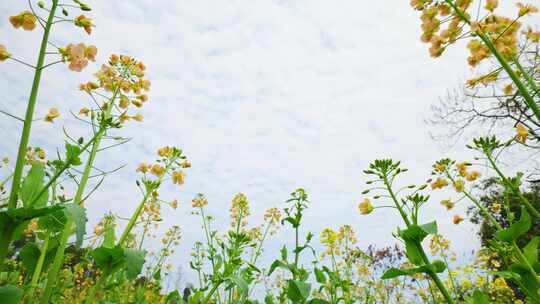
column 10, row 294
column 20, row 215
column 318, row 301
column 530, row 251
column 109, row 259
column 276, row 264
column 240, row 283
column 134, row 262
column 319, row 276
column 437, row 266
column 413, row 252
column 53, row 222
column 72, row 154
column 108, row 236
column 298, row 291
column 32, row 185
column 480, row 298
column 517, row 229
column 430, row 228
column 29, row 256
column 78, row 214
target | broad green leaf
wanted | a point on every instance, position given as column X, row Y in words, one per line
column 32, row 186
column 53, row 222
column 134, row 262
column 413, row 252
column 480, row 298
column 517, row 229
column 25, row 214
column 531, row 250
column 430, row 228
column 72, row 154
column 29, row 256
column 109, row 259
column 298, row 291
column 78, row 214
column 10, row 294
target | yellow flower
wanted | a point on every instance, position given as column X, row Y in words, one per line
column 365, row 207
column 165, row 151
column 272, row 215
column 508, row 89
column 472, row 176
column 439, row 183
column 25, row 19
column 84, row 111
column 199, row 201
column 52, row 114
column 440, row 167
column 178, row 177
column 174, row 204
column 522, row 133
column 448, row 204
column 496, row 208
column 457, row 219
column 491, row 5
column 4, row 54
column 459, row 185
column 138, row 117
column 85, row 23
column 157, row 170
column 525, row 9
column 462, row 168
column 143, row 168
column 185, row 164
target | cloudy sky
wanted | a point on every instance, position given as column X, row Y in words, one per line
column 263, row 97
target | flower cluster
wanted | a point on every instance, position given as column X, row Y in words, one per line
column 199, row 201
column 78, row 55
column 239, row 210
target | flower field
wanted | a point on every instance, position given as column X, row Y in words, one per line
column 49, row 253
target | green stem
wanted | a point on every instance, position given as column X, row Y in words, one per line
column 211, row 293
column 39, row 267
column 500, row 228
column 515, row 190
column 504, row 63
column 66, row 232
column 134, row 218
column 7, row 234
column 425, row 259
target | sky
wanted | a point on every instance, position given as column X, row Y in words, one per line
column 263, row 97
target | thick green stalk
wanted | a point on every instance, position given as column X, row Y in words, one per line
column 7, row 234
column 504, row 63
column 425, row 259
column 133, row 219
column 59, row 256
column 17, row 175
